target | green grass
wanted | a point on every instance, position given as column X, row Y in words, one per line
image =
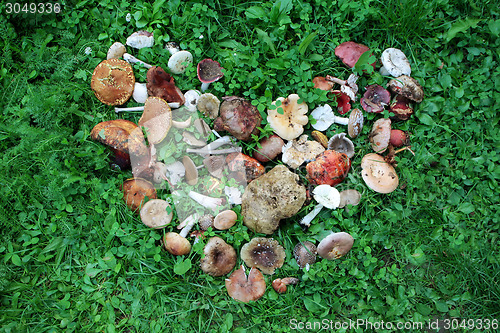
column 74, row 258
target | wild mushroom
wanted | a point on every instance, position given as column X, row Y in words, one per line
column 288, row 117
column 113, row 81
column 399, row 138
column 378, row 175
column 156, row 213
column 182, row 124
column 401, row 107
column 211, row 148
column 161, row 84
column 246, row 288
column 140, row 93
column 220, row 257
column 335, row 245
column 394, row 63
column 238, row 117
column 321, row 138
column 305, row 254
column 225, row 220
column 326, row 196
column 233, row 195
column 177, row 243
column 349, row 53
column 209, row 71
column 380, row 135
column 341, row 144
column 348, row 87
column 179, row 60
column 206, row 221
column 191, row 97
column 135, row 191
column 243, row 167
column 330, row 167
column 408, row 87
column 175, row 172
column 269, row 148
column 192, row 140
column 133, row 60
column 210, row 203
column 116, row 51
column 343, row 102
column 263, row 253
column 324, row 117
column 375, row 98
column 215, row 165
column 157, row 119
column 296, row 152
column 141, row 39
column 191, row 174
column 322, row 83
column 209, row 104
column 349, row 197
column 279, row 285
column 202, row 128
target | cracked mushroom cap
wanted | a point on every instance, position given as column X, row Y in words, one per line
column 380, row 135
column 378, row 175
column 156, row 213
column 289, row 117
column 296, row 152
column 264, row 253
column 113, row 81
column 246, row 288
column 335, row 245
column 305, row 253
column 394, row 63
column 156, row 118
column 220, row 257
column 408, row 87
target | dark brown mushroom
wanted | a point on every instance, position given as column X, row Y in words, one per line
column 220, row 257
column 161, row 84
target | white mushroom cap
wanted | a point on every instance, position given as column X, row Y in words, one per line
column 191, row 97
column 140, row 94
column 209, row 105
column 378, row 175
column 324, row 117
column 154, row 214
column 178, row 61
column 141, row 39
column 395, row 63
column 175, row 172
column 327, row 196
column 335, row 245
column 288, row 119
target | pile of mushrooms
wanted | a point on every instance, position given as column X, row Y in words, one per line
column 210, row 158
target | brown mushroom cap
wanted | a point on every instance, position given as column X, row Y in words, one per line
column 191, row 171
column 246, row 288
column 335, row 245
column 122, row 135
column 176, row 244
column 157, row 118
column 220, row 257
column 113, row 81
column 378, row 175
column 116, row 51
column 349, row 197
column 380, row 135
column 209, row 71
column 161, row 84
column 264, row 253
column 355, row 124
column 225, row 220
column 320, row 82
column 305, row 253
column 135, row 190
column 154, row 214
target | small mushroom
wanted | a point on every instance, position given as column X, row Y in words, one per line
column 288, row 117
column 269, row 148
column 156, row 213
column 206, row 221
column 335, row 245
column 210, row 203
column 191, row 97
column 322, row 83
column 179, row 60
column 140, row 93
column 408, row 87
column 401, row 107
column 355, row 123
column 264, row 253
column 161, row 84
column 348, row 87
column 305, row 254
column 343, row 102
column 220, row 257
column 233, row 195
column 182, row 124
column 225, row 220
column 296, row 152
column 177, row 243
column 202, row 128
column 326, row 196
column 121, row 135
column 349, row 53
column 116, row 51
column 324, row 117
column 135, row 191
column 156, row 118
column 399, row 138
column 279, row 285
column 246, row 288
column 341, row 144
column 330, row 167
column 141, row 39
column 375, row 98
column 215, row 165
column 380, row 135
column 349, row 197
column 378, row 175
column 209, row 104
column 175, row 172
column 113, row 81
column 209, row 71
column 191, row 174
column 394, row 63
column 321, row 138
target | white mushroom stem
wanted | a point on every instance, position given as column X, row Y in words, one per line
column 306, row 220
column 340, row 120
column 141, row 108
column 189, row 225
column 188, row 221
column 206, row 201
column 336, row 80
column 211, row 147
column 133, row 60
column 204, row 86
column 181, row 124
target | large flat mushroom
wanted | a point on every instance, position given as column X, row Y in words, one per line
column 246, row 288
column 264, row 253
column 113, row 81
column 288, row 117
column 156, row 118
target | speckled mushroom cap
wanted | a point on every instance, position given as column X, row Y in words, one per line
column 408, row 87
column 378, row 175
column 264, row 253
column 220, row 257
column 305, row 253
column 135, row 190
column 335, row 245
column 380, row 135
column 113, row 81
column 209, row 71
column 355, row 124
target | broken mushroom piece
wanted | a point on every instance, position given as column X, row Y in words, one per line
column 269, row 148
column 330, row 167
column 305, row 254
column 245, row 288
column 209, row 104
column 394, row 63
column 321, row 138
column 116, row 51
column 157, row 119
column 349, row 197
column 408, row 87
column 349, row 53
column 296, row 152
column 210, row 203
column 375, row 98
column 264, row 253
column 380, row 135
column 401, row 107
column 378, row 175
column 348, row 87
column 177, row 243
column 220, row 257
column 135, row 191
column 191, row 174
column 326, row 196
column 208, row 71
column 113, row 81
column 288, row 117
column 206, row 221
column 279, row 285
column 156, row 213
column 335, row 245
column 225, row 220
column 340, row 143
column 141, row 39
column 238, row 117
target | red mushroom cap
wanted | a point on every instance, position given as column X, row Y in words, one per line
column 161, row 84
column 343, row 102
column 209, row 71
column 330, row 167
column 349, row 53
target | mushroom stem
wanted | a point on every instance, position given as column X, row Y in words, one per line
column 336, row 80
column 133, row 60
column 206, row 201
column 131, row 109
column 306, row 221
column 340, row 120
column 181, row 124
column 203, row 151
column 404, row 148
column 204, row 86
column 189, row 222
